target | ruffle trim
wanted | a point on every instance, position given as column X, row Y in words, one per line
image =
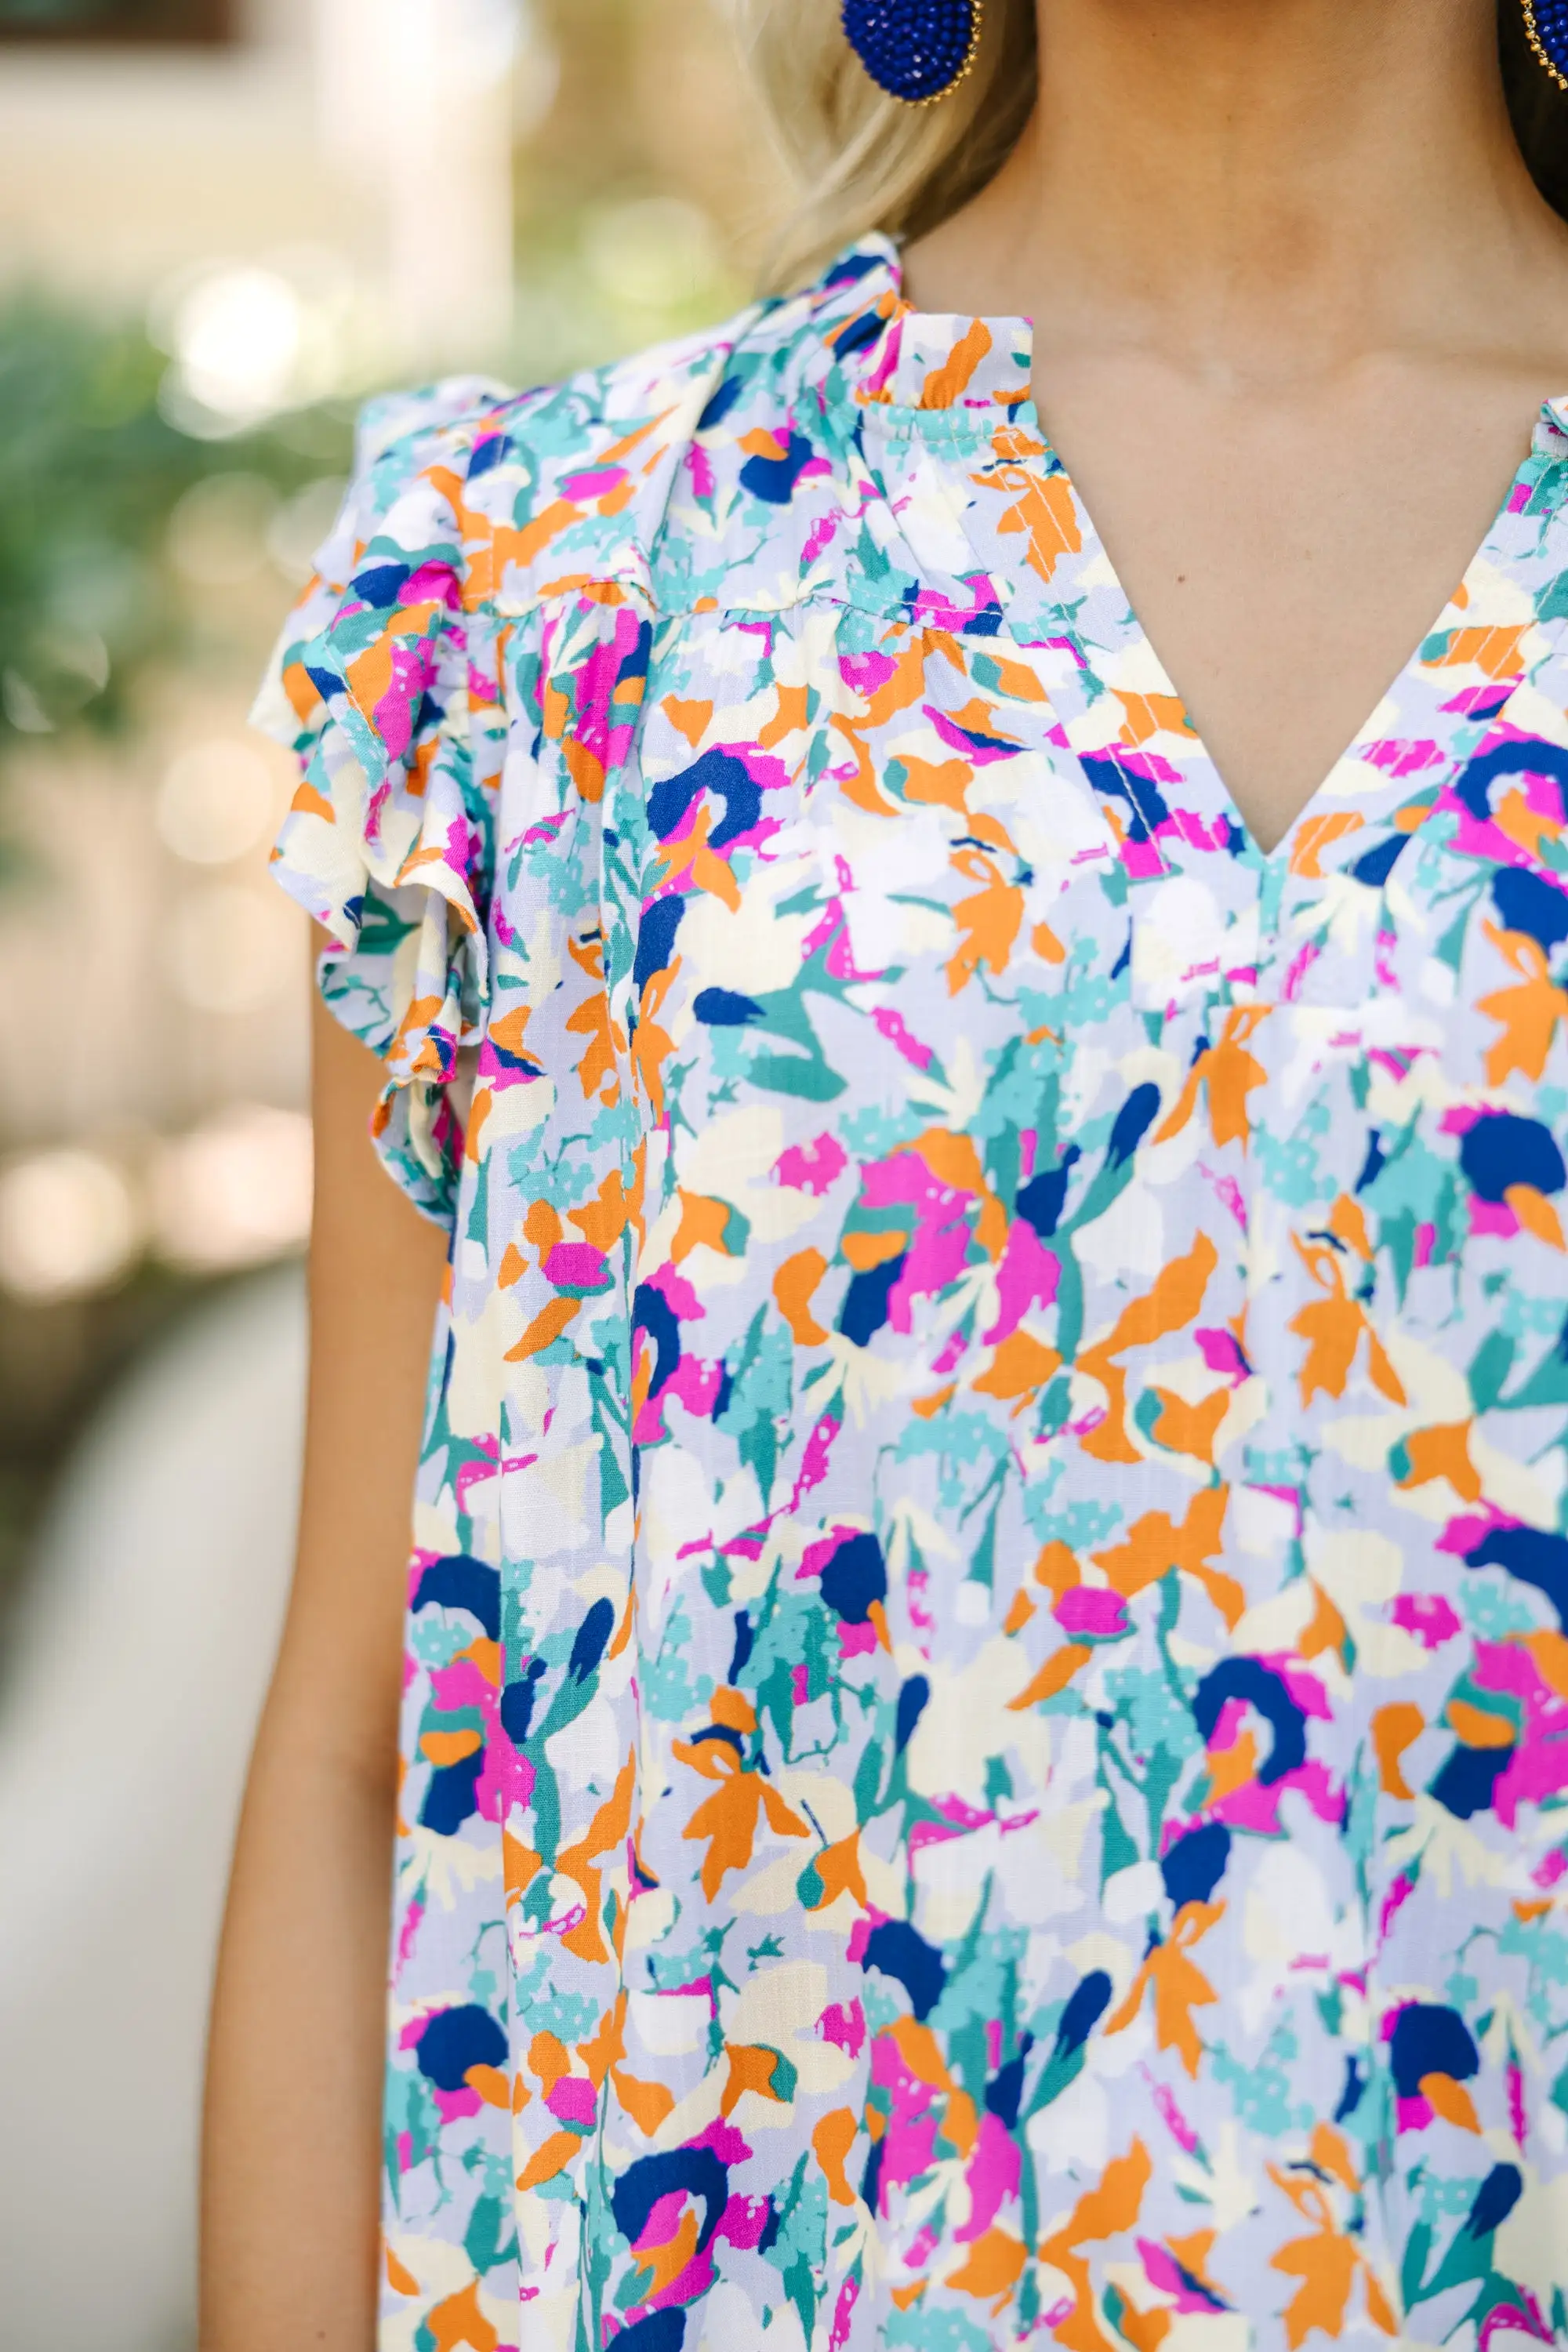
column 385, row 686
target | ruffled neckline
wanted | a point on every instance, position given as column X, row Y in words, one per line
column 957, row 364
column 947, row 399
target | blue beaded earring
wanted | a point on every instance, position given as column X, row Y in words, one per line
column 920, row 50
column 1546, row 29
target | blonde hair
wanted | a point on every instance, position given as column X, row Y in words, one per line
column 867, row 162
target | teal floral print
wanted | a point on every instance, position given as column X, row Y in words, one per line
column 986, row 1726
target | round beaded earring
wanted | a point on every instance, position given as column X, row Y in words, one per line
column 1546, row 29
column 920, row 50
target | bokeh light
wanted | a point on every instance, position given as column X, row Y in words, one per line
column 215, row 801
column 234, row 1191
column 62, row 666
column 238, row 337
column 69, row 1224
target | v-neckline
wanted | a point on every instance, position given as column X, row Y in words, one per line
column 1199, row 760
column 967, row 382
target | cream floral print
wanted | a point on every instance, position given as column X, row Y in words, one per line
column 987, row 1696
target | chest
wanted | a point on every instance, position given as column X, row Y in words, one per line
column 864, row 874
column 953, row 1054
column 1285, row 556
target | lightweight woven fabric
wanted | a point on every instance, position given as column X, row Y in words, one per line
column 987, row 1721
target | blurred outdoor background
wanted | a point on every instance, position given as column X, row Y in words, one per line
column 222, row 222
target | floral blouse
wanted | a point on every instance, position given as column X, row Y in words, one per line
column 986, row 1728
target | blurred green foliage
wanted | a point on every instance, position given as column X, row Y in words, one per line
column 90, row 471
column 92, row 604
column 116, row 20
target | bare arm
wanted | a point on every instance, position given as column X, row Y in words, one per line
column 293, row 2102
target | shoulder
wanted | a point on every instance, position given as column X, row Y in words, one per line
column 657, row 479
column 590, row 480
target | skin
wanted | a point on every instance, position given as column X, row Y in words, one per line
column 290, row 2176
column 1298, row 305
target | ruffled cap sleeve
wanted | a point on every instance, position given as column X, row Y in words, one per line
column 384, row 683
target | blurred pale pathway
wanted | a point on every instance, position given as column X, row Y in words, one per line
column 124, row 1739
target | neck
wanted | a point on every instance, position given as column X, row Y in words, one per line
column 1254, row 184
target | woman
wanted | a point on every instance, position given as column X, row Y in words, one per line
column 985, row 1703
